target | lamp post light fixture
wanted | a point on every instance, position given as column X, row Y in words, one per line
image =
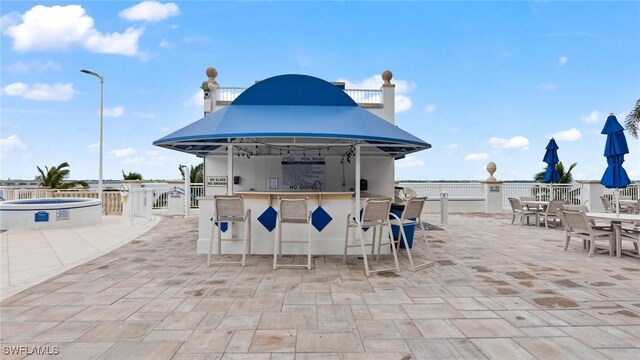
column 101, row 113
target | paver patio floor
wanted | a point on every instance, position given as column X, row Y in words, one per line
column 496, row 291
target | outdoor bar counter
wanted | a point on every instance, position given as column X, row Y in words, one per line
column 294, row 132
column 329, row 217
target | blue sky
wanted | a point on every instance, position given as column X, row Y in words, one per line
column 480, row 81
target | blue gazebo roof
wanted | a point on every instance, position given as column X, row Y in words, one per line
column 289, row 107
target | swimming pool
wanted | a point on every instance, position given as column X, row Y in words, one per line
column 35, row 214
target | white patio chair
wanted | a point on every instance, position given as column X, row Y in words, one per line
column 552, row 212
column 292, row 211
column 519, row 210
column 230, row 209
column 577, row 225
column 410, row 216
column 375, row 214
column 606, row 204
column 628, row 233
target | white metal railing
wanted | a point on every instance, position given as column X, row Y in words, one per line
column 455, row 190
column 141, row 204
column 229, row 93
column 197, row 190
column 365, row 96
column 632, row 190
column 358, row 95
column 546, row 192
column 161, row 198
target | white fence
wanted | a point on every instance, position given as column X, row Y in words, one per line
column 27, row 193
column 141, row 205
column 161, row 195
column 455, row 190
column 632, row 191
column 571, row 193
column 475, row 191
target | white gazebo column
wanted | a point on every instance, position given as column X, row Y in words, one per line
column 357, row 185
column 230, row 169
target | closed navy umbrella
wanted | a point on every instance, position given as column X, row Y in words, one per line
column 615, row 175
column 551, row 158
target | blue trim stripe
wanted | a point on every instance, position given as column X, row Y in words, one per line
column 51, row 209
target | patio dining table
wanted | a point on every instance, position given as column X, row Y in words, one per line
column 616, row 220
column 537, row 205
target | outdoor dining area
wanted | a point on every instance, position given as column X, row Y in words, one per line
column 619, row 223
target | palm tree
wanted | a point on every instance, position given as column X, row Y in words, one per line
column 633, row 120
column 54, row 177
column 131, row 176
column 565, row 177
column 196, row 174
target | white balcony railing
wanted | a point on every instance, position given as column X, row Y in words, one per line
column 363, row 97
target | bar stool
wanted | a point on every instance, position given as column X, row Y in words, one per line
column 410, row 216
column 375, row 214
column 292, row 211
column 230, row 209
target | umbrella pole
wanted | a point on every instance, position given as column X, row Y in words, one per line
column 617, row 192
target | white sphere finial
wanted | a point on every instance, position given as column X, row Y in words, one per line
column 212, row 73
column 386, row 77
column 491, row 169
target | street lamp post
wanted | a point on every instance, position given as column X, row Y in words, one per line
column 101, row 111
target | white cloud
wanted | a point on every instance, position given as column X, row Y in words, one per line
column 572, row 134
column 39, row 66
column 196, row 100
column 548, row 86
column 516, row 142
column 150, row 158
column 476, row 156
column 136, row 160
column 409, row 162
column 150, row 11
column 63, row 27
column 93, row 146
column 430, row 108
column 452, row 146
column 123, row 152
column 164, row 44
column 592, row 117
column 114, row 112
column 13, row 142
column 562, row 60
column 41, row 92
column 9, row 20
column 402, row 103
column 374, row 82
column 144, row 115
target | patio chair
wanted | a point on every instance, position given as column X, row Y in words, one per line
column 230, row 209
column 410, row 216
column 519, row 210
column 628, row 233
column 292, row 211
column 552, row 212
column 606, row 204
column 375, row 214
column 577, row 225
